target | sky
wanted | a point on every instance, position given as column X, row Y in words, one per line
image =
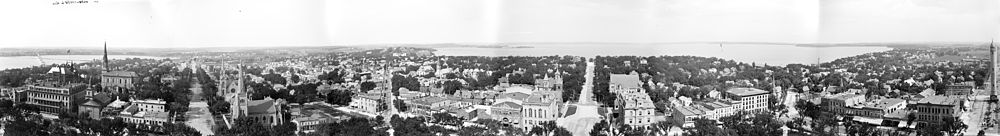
column 265, row 23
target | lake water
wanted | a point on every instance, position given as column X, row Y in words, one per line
column 28, row 61
column 758, row 53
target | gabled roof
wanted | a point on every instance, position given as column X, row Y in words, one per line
column 103, row 98
column 92, row 103
column 508, row 104
column 261, row 106
column 120, row 74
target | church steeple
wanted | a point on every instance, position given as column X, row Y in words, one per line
column 106, row 67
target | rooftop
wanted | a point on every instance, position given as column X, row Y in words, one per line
column 626, row 80
column 939, row 100
column 508, row 104
column 120, row 74
column 845, row 96
column 267, row 105
column 515, row 95
column 151, row 101
column 687, row 112
column 883, row 103
column 745, row 91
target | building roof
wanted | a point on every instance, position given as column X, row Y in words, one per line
column 716, row 105
column 745, row 91
column 515, row 95
column 92, row 103
column 150, row 101
column 939, row 100
column 430, row 100
column 884, row 103
column 845, row 96
column 626, row 80
column 262, row 106
column 120, row 74
column 373, row 96
column 508, row 104
column 688, row 112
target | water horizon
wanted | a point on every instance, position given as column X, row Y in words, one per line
column 13, row 62
column 770, row 54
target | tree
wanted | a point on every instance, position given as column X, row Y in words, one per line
column 561, row 131
column 953, row 125
column 174, row 129
column 497, row 128
column 400, row 105
column 451, row 86
column 706, row 127
column 367, row 86
column 339, row 97
column 284, row 129
column 355, row 127
column 600, row 129
column 219, row 107
column 246, row 126
column 752, row 124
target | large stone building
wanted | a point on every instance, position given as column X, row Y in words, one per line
column 267, row 111
column 748, row 99
column 527, row 106
column 54, row 97
column 934, row 109
column 118, row 81
column 633, row 102
column 367, row 102
column 537, row 109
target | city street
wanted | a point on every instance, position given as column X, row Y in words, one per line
column 585, row 116
column 974, row 117
column 198, row 115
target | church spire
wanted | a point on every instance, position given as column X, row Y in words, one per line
column 106, row 68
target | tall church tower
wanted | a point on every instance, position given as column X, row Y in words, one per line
column 238, row 98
